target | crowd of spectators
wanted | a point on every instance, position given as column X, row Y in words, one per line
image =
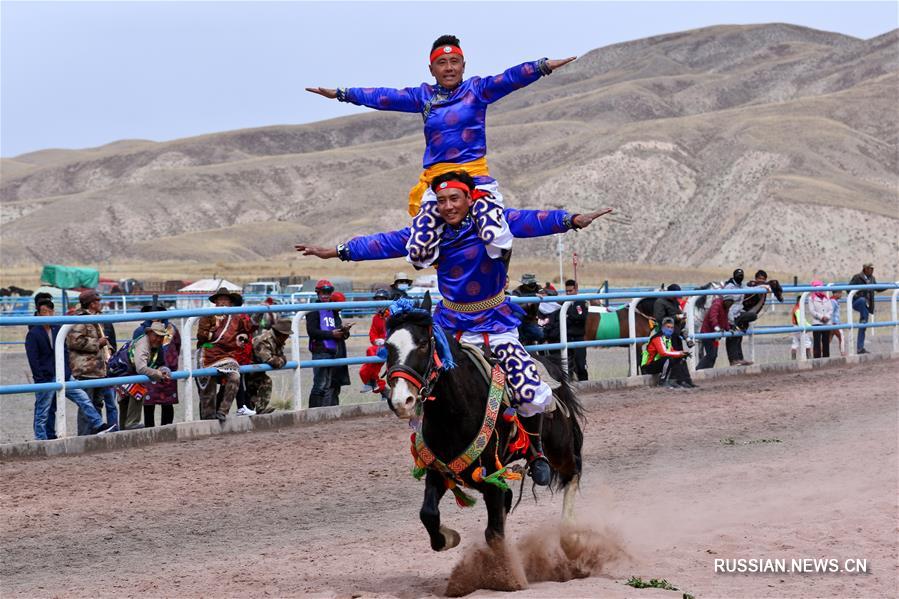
column 227, row 341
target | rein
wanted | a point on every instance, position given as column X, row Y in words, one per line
column 422, row 383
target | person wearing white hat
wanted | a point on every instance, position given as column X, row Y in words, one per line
column 400, row 286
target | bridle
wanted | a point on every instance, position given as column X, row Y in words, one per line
column 423, row 383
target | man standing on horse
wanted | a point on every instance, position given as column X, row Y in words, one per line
column 471, row 281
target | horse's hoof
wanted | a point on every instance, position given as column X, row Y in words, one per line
column 450, row 538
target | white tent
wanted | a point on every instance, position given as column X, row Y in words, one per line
column 196, row 294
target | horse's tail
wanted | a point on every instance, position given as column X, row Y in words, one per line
column 566, row 395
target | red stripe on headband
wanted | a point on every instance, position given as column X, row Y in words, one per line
column 454, row 185
column 476, row 194
column 446, row 50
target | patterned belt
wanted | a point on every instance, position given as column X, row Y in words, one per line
column 486, row 304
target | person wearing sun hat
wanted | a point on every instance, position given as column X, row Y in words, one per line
column 220, row 340
column 454, row 112
column 268, row 348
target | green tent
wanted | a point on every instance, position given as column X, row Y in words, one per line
column 70, row 277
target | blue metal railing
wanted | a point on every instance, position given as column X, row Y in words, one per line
column 300, row 309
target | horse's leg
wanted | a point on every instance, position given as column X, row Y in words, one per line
column 495, row 500
column 442, row 538
column 571, row 490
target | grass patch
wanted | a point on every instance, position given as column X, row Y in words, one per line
column 731, row 441
column 654, row 583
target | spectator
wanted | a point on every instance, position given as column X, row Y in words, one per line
column 670, row 307
column 401, row 284
column 377, row 335
column 89, row 351
column 797, row 336
column 529, row 331
column 863, row 302
column 264, row 320
column 835, row 297
column 39, row 347
column 821, row 310
column 660, row 358
column 325, row 331
column 147, row 355
column 715, row 321
column 164, row 393
column 734, row 345
column 340, row 376
column 548, row 314
column 268, row 348
column 220, row 338
column 244, row 357
column 576, row 324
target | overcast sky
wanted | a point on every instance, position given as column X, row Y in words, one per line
column 76, row 74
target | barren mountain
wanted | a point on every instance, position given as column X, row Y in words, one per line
column 770, row 146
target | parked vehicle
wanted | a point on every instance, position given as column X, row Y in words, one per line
column 262, row 288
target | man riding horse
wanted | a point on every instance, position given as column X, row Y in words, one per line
column 474, row 307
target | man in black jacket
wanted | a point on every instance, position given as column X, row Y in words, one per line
column 576, row 321
column 326, row 333
column 863, row 302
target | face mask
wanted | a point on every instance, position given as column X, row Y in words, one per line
column 667, row 331
column 403, row 286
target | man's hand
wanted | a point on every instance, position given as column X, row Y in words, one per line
column 166, row 373
column 583, row 220
column 316, row 250
column 103, row 342
column 327, row 92
column 340, row 334
column 555, row 63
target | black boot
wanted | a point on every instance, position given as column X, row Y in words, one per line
column 316, row 400
column 538, row 466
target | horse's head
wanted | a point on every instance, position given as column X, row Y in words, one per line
column 411, row 363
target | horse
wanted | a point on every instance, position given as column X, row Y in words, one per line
column 615, row 325
column 453, row 408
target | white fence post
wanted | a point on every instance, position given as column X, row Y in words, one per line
column 894, row 312
column 563, row 334
column 295, row 351
column 59, row 357
column 633, row 367
column 691, row 328
column 187, row 363
column 850, row 316
column 803, row 336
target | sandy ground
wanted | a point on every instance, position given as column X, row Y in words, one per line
column 672, row 481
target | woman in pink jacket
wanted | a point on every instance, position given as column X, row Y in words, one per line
column 821, row 310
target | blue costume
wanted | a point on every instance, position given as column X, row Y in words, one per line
column 454, row 120
column 472, row 284
column 455, row 139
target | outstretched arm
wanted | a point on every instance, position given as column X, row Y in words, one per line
column 379, row 246
column 380, row 98
column 538, row 223
column 491, row 89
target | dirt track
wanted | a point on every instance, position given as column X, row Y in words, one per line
column 332, row 510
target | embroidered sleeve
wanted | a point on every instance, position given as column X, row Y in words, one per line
column 383, row 98
column 491, row 89
column 379, row 246
column 537, row 223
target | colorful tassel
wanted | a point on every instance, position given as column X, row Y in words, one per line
column 497, row 479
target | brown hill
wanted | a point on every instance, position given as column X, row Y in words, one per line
column 767, row 145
